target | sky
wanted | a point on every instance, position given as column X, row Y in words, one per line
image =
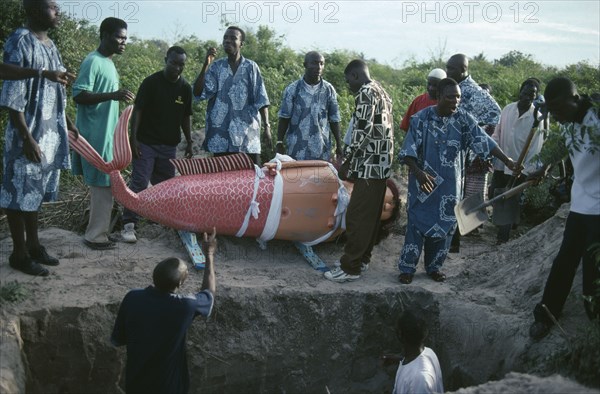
column 555, row 33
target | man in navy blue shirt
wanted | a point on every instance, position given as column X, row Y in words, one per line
column 153, row 322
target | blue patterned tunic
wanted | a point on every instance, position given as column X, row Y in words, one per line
column 479, row 103
column 308, row 134
column 26, row 184
column 440, row 145
column 232, row 117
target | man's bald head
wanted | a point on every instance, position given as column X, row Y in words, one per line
column 357, row 74
column 312, row 55
column 42, row 15
column 457, row 67
column 314, row 64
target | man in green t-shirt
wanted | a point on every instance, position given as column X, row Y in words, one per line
column 96, row 93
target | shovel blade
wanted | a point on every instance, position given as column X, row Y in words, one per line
column 467, row 216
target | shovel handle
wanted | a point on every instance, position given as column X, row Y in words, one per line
column 524, row 152
column 512, row 192
column 506, row 194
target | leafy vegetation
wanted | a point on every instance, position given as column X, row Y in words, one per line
column 281, row 65
column 13, row 292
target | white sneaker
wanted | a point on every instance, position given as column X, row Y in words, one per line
column 364, row 267
column 338, row 275
column 128, row 233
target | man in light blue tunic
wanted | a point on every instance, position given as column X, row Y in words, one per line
column 236, row 96
column 309, row 110
column 36, row 146
column 434, row 149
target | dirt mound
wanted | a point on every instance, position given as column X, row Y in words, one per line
column 278, row 325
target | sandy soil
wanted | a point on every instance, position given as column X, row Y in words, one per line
column 498, row 285
column 484, row 307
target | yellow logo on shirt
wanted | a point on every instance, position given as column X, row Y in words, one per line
column 179, row 100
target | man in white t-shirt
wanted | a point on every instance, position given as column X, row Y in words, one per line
column 580, row 128
column 419, row 371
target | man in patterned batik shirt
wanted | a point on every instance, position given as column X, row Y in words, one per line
column 372, row 145
column 438, row 139
column 309, row 110
column 36, row 146
column 479, row 103
column 236, row 95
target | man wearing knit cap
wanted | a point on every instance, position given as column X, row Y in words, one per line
column 426, row 99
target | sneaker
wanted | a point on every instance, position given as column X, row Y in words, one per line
column 338, row 275
column 364, row 267
column 41, row 256
column 128, row 233
column 539, row 330
column 27, row 266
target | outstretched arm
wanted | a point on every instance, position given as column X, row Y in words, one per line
column 497, row 152
column 12, row 72
column 89, row 98
column 209, row 245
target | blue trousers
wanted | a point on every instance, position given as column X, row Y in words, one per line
column 153, row 166
column 436, row 250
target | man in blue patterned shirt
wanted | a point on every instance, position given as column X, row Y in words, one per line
column 481, row 105
column 36, row 146
column 372, row 145
column 434, row 149
column 236, row 95
column 309, row 109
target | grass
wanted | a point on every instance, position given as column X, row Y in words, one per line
column 13, row 292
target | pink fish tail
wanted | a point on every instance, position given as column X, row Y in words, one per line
column 121, row 149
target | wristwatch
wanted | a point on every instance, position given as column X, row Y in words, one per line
column 41, row 72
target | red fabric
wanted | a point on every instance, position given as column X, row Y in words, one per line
column 420, row 102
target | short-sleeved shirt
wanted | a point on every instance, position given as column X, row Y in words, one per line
column 422, row 375
column 585, row 156
column 440, row 145
column 511, row 134
column 372, row 140
column 164, row 105
column 96, row 122
column 310, row 110
column 479, row 103
column 232, row 117
column 153, row 325
column 26, row 184
column 420, row 102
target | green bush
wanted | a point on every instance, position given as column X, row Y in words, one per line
column 281, row 65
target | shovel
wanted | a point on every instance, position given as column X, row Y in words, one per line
column 470, row 212
column 506, row 210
